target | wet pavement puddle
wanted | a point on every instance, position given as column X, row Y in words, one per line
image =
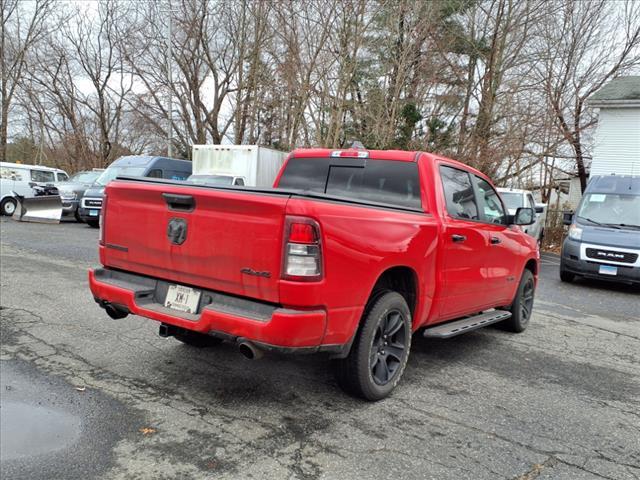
column 28, row 430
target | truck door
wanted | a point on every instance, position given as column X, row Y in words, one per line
column 464, row 246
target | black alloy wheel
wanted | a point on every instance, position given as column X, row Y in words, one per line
column 388, row 347
column 380, row 349
column 522, row 306
column 526, row 303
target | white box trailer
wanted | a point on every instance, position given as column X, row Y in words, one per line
column 258, row 166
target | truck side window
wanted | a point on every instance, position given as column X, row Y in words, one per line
column 155, row 173
column 62, row 177
column 42, row 176
column 239, row 182
column 458, row 192
column 492, row 209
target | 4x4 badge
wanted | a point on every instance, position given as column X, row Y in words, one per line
column 251, row 271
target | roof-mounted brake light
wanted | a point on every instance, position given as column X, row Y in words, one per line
column 350, row 153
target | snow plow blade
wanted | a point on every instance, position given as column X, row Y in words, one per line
column 42, row 209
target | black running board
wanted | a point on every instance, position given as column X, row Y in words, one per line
column 451, row 329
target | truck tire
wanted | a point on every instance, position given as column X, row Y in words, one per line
column 8, row 206
column 380, row 349
column 522, row 305
column 198, row 340
column 564, row 275
column 93, row 223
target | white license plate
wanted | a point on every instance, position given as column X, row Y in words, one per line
column 608, row 270
column 93, row 213
column 181, row 298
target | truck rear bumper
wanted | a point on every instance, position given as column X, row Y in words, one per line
column 237, row 319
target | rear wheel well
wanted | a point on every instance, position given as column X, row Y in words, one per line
column 402, row 280
column 398, row 279
column 532, row 265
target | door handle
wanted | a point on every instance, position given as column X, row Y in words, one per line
column 495, row 240
column 458, row 238
column 181, row 203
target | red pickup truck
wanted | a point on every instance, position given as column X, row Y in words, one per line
column 350, row 253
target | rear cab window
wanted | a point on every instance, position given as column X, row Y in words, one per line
column 388, row 182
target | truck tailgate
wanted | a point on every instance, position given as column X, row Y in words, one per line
column 232, row 241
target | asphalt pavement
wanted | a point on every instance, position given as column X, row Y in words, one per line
column 84, row 396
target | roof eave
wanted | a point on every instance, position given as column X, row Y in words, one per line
column 630, row 103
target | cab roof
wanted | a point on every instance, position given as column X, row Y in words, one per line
column 395, row 155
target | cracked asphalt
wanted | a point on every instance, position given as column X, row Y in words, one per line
column 560, row 401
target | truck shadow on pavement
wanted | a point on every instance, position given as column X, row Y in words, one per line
column 593, row 284
column 492, row 352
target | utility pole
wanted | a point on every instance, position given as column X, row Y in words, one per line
column 170, row 80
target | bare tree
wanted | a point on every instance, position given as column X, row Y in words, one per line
column 21, row 27
column 499, row 84
column 584, row 45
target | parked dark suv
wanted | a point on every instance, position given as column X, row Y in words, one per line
column 136, row 166
column 604, row 236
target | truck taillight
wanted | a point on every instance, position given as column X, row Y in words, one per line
column 302, row 256
column 103, row 212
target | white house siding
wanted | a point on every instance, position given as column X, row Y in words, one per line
column 617, row 143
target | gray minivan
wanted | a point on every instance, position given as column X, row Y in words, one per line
column 604, row 233
column 132, row 166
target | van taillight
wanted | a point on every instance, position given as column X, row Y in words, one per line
column 103, row 212
column 302, row 256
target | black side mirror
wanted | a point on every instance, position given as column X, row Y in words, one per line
column 567, row 218
column 523, row 216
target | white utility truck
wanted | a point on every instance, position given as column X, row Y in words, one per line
column 30, row 188
column 249, row 165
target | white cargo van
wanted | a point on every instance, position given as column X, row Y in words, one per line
column 249, row 165
column 19, row 178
